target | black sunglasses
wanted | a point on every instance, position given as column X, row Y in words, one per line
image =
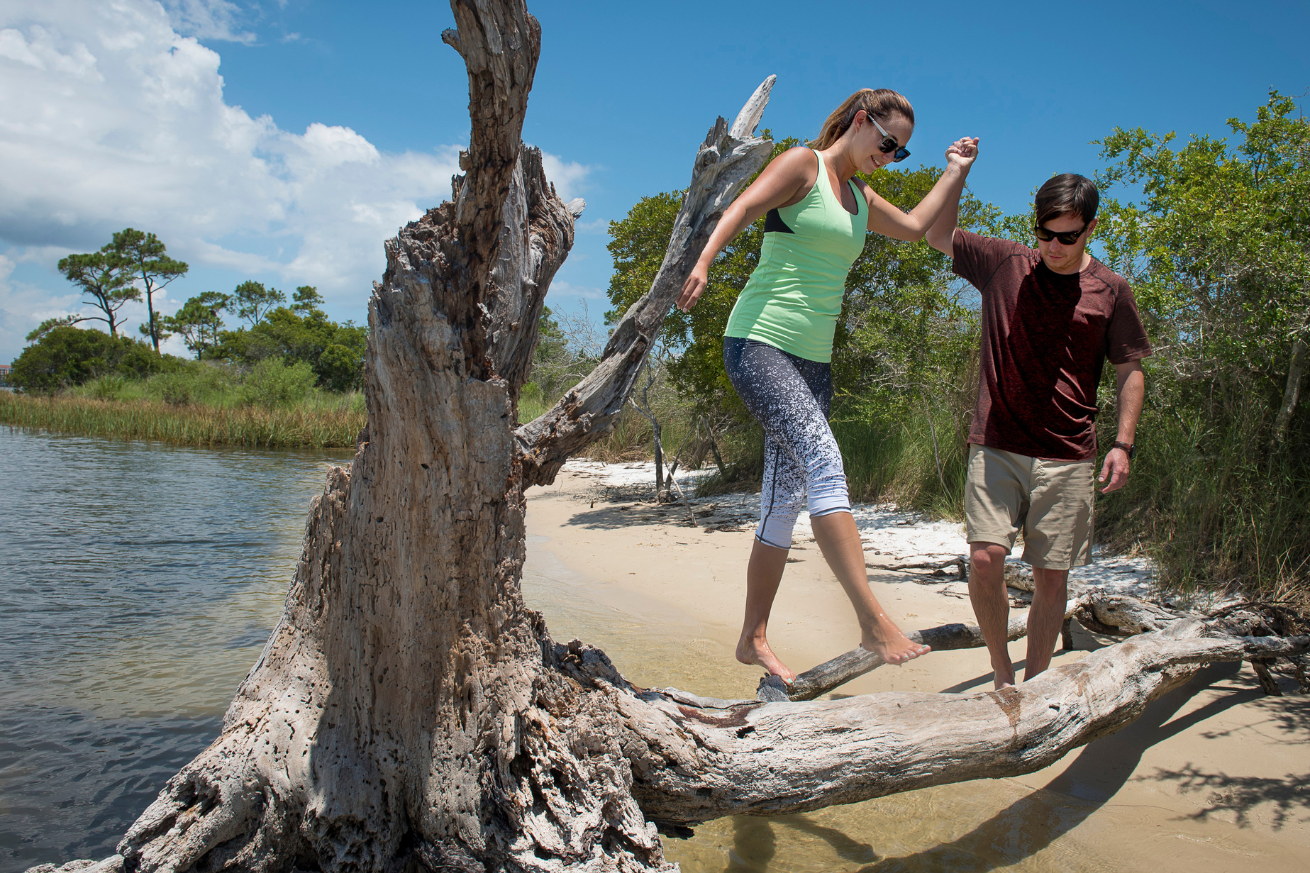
column 889, row 144
column 1066, row 238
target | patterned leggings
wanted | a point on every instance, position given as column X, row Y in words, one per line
column 791, row 397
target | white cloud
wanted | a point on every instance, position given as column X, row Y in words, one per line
column 597, row 226
column 21, row 309
column 561, row 290
column 111, row 118
column 568, row 177
column 112, row 115
column 209, row 19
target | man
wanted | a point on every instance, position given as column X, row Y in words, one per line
column 1051, row 316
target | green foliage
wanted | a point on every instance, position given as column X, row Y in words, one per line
column 191, row 383
column 253, row 301
column 107, row 387
column 51, row 323
column 1218, row 251
column 306, row 300
column 1222, row 237
column 104, row 277
column 156, row 330
column 311, row 424
column 67, row 355
column 143, row 257
column 561, row 359
column 271, row 383
column 199, row 321
column 334, row 352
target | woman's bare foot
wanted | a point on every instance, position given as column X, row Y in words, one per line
column 752, row 651
column 887, row 641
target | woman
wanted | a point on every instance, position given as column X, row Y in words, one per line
column 778, row 344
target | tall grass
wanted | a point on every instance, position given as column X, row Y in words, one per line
column 311, row 425
column 1210, row 505
column 896, row 460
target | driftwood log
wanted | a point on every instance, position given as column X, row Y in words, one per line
column 408, row 712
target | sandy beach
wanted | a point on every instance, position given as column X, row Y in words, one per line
column 1212, row 777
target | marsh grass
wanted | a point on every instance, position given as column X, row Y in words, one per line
column 326, row 421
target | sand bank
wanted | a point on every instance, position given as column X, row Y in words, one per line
column 1213, row 776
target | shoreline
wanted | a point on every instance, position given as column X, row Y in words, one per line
column 1210, row 776
column 186, row 425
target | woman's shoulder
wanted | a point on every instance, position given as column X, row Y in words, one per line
column 795, row 170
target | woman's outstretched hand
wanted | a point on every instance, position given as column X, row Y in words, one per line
column 693, row 288
column 963, row 152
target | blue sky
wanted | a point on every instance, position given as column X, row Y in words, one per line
column 284, row 141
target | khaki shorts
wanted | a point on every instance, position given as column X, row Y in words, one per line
column 1050, row 501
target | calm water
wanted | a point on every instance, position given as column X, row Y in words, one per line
column 138, row 583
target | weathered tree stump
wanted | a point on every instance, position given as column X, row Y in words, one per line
column 409, row 713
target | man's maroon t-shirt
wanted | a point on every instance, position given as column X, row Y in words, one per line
column 1045, row 338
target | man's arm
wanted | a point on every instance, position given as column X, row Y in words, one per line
column 1129, row 397
column 941, row 233
column 888, row 220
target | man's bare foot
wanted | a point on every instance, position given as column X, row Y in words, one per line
column 1004, row 674
column 751, row 651
column 887, row 642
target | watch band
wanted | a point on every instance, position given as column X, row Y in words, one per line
column 1118, row 444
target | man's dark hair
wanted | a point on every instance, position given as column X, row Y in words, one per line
column 1065, row 193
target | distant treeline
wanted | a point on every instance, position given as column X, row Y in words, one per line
column 134, row 266
column 288, row 376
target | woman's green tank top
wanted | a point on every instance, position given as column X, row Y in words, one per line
column 793, row 297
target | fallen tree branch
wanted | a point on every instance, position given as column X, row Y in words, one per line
column 819, row 680
column 695, row 763
column 960, row 563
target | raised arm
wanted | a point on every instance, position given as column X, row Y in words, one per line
column 886, row 219
column 941, row 233
column 784, row 181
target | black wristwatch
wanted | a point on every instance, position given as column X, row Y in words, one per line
column 1125, row 446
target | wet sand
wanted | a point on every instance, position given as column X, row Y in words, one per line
column 1213, row 776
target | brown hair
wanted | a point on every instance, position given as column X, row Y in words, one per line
column 879, row 102
column 1065, row 193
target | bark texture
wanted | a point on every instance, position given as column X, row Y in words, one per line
column 404, row 714
column 409, row 713
column 1291, row 394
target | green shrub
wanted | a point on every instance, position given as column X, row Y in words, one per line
column 176, row 389
column 271, row 383
column 107, row 387
column 66, row 356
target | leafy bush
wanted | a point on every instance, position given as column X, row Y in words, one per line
column 271, row 383
column 67, row 356
column 176, row 389
column 334, row 351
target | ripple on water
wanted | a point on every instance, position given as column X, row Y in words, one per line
column 138, row 583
